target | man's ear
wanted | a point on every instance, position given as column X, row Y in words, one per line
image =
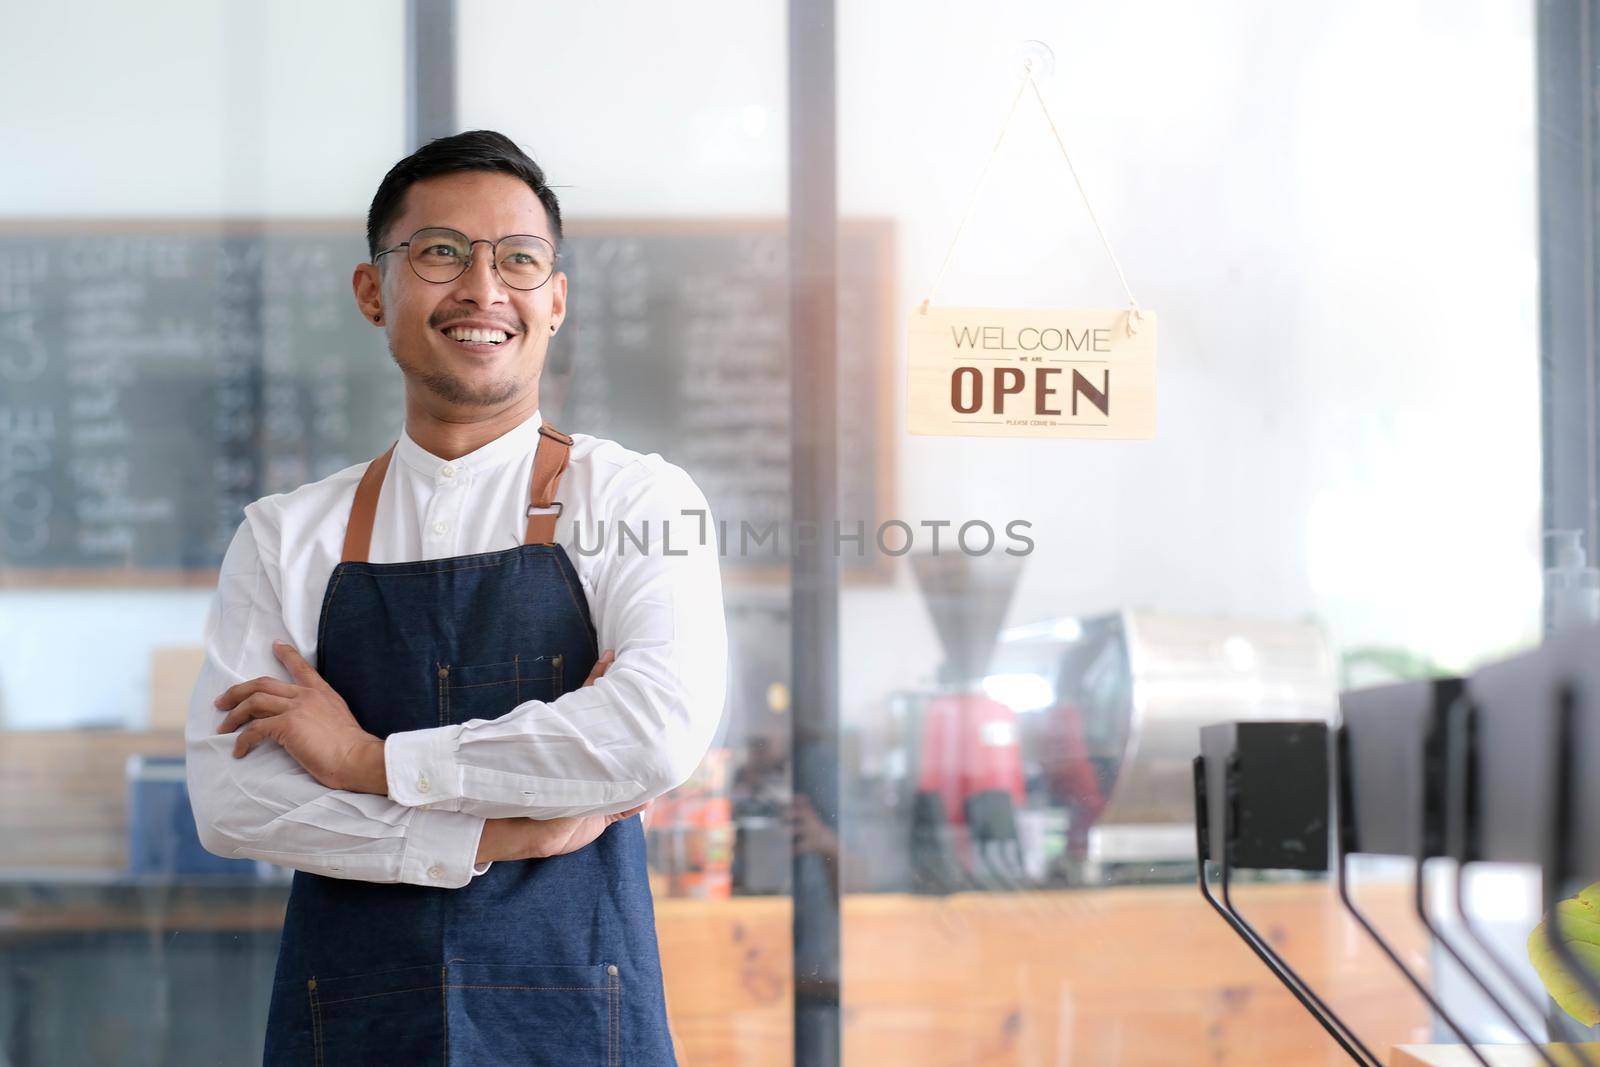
column 368, row 288
column 558, row 297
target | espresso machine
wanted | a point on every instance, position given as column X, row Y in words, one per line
column 1114, row 725
column 1059, row 751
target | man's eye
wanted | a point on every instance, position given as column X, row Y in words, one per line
column 522, row 259
column 439, row 250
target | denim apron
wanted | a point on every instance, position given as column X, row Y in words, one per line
column 534, row 962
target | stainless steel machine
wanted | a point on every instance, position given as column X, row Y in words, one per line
column 1117, row 703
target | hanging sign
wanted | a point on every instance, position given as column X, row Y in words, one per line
column 1031, row 372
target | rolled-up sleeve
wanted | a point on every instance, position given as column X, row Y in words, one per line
column 641, row 728
column 266, row 806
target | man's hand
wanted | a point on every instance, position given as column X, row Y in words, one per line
column 532, row 839
column 606, row 659
column 306, row 717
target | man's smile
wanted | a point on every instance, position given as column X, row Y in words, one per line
column 478, row 335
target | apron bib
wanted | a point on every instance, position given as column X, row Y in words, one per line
column 535, row 962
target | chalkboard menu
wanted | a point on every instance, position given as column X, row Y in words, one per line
column 157, row 377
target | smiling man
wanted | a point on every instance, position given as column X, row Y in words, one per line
column 404, row 697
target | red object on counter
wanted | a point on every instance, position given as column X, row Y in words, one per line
column 970, row 745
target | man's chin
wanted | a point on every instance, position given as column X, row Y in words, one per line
column 472, row 394
column 458, row 389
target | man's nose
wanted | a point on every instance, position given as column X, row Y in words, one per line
column 479, row 283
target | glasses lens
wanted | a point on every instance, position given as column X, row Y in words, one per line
column 525, row 261
column 438, row 255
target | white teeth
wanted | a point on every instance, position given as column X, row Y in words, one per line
column 475, row 336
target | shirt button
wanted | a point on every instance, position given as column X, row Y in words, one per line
column 436, row 872
column 422, row 784
column 440, row 527
column 447, row 472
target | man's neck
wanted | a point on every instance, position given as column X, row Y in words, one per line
column 450, row 438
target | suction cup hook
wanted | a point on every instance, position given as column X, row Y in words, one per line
column 1035, row 59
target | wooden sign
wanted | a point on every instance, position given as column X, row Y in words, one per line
column 1031, row 372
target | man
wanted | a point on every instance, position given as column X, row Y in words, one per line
column 456, row 780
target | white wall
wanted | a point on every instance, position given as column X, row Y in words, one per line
column 199, row 108
column 636, row 108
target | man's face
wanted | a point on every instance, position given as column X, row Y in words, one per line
column 454, row 375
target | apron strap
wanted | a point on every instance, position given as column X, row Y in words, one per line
column 549, row 463
column 358, row 534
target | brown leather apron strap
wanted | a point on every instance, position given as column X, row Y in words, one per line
column 549, row 462
column 358, row 534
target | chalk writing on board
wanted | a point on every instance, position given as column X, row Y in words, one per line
column 157, row 377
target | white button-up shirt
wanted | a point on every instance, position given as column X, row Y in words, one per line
column 640, row 730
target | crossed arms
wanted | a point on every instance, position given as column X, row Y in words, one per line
column 646, row 722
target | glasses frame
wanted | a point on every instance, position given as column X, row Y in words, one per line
column 466, row 262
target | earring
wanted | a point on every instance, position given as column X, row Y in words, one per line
column 377, row 318
column 552, row 327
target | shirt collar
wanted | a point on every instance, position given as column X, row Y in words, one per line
column 513, row 444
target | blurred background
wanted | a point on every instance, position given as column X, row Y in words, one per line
column 1335, row 209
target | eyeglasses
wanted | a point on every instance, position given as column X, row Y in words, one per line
column 439, row 254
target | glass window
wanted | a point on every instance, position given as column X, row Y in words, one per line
column 1333, row 211
column 1344, row 488
column 184, row 189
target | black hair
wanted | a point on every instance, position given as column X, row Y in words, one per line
column 472, row 150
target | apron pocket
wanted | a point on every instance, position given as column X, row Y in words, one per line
column 488, row 690
column 535, row 1016
column 382, row 1018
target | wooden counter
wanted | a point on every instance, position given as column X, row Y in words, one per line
column 1126, row 977
column 1129, row 977
column 1497, row 1055
column 1090, row 978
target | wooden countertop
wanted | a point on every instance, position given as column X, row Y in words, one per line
column 1121, row 977
column 1497, row 1055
